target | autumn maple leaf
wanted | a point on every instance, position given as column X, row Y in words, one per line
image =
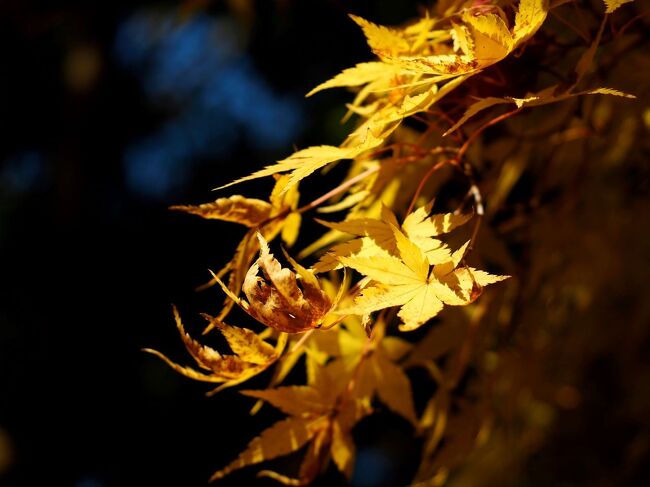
column 252, row 355
column 319, row 414
column 306, row 161
column 287, row 301
column 407, row 103
column 371, row 363
column 276, row 217
column 377, row 235
column 407, row 279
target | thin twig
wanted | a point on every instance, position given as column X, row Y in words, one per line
column 479, row 131
column 630, row 22
column 339, row 189
column 302, row 340
column 581, row 34
column 426, row 177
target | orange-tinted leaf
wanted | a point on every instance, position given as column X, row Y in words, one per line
column 278, row 301
column 245, row 343
column 256, row 356
column 247, row 211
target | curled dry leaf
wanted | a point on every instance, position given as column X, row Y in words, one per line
column 251, row 356
column 290, row 302
column 278, row 217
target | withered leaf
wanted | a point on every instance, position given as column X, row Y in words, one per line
column 252, row 356
column 282, row 219
column 290, row 302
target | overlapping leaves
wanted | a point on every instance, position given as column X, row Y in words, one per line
column 319, row 414
column 418, row 65
column 347, row 336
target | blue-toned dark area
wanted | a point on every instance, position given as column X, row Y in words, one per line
column 198, row 70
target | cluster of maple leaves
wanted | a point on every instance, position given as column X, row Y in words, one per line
column 346, row 329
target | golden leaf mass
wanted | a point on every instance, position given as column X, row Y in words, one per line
column 440, row 73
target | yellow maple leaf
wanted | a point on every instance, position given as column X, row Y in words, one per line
column 494, row 40
column 382, row 39
column 462, row 38
column 282, row 438
column 409, row 282
column 395, row 85
column 372, row 361
column 484, row 39
column 529, row 18
column 613, row 5
column 421, row 228
column 304, row 162
column 361, row 74
column 378, row 237
column 250, row 212
column 318, row 414
column 251, row 356
column 388, row 117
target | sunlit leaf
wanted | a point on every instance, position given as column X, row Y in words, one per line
column 304, row 162
column 406, row 280
column 252, row 356
column 613, row 5
column 247, row 211
column 283, row 437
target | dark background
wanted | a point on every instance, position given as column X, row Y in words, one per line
column 110, row 113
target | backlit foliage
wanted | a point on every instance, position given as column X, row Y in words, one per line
column 409, row 238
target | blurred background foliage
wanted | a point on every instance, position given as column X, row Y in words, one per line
column 112, row 112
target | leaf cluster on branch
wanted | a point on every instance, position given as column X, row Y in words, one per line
column 404, row 254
